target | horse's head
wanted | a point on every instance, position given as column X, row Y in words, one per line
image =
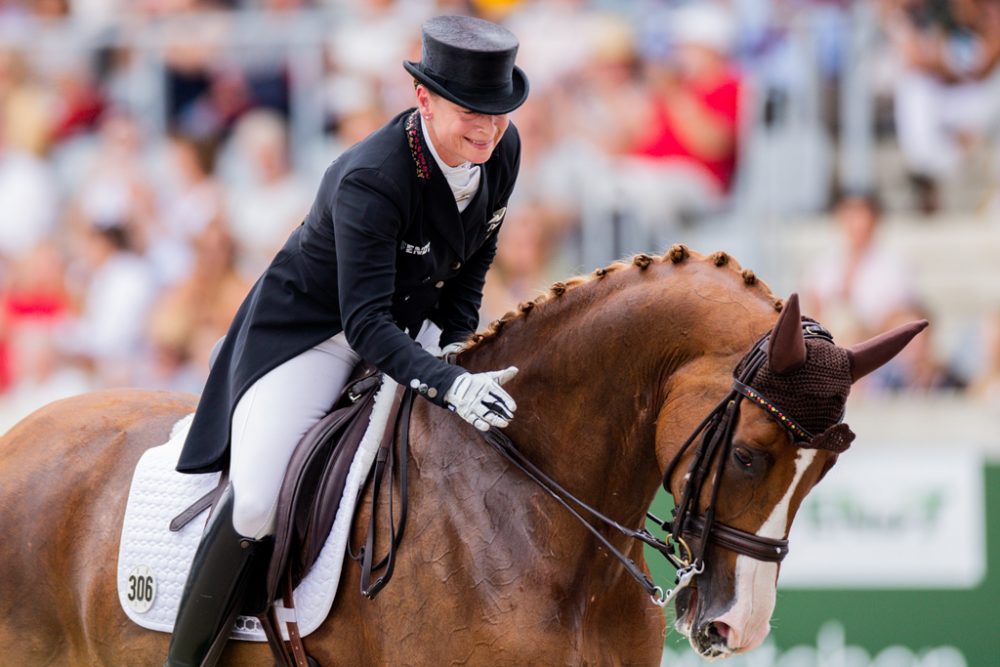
column 770, row 441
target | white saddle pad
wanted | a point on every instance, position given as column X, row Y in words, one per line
column 153, row 562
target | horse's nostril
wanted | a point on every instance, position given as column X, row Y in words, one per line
column 720, row 630
column 712, row 639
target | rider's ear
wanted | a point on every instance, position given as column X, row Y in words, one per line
column 786, row 351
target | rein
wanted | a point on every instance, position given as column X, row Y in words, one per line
column 716, row 431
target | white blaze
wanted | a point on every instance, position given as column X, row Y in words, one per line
column 749, row 617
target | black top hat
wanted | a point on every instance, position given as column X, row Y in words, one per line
column 471, row 62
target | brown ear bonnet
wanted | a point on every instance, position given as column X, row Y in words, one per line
column 807, row 377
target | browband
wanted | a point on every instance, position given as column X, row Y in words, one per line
column 799, row 433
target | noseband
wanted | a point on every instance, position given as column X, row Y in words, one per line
column 714, row 447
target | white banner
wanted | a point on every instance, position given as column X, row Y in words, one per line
column 892, row 518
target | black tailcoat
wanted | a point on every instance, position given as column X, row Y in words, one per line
column 383, row 248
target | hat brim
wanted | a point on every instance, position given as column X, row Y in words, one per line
column 488, row 103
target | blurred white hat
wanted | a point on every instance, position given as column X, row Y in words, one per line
column 705, row 24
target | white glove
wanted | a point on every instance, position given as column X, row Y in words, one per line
column 479, row 400
column 451, row 347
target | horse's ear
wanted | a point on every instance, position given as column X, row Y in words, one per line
column 786, row 351
column 866, row 357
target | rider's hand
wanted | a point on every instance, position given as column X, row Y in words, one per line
column 479, row 399
column 451, row 347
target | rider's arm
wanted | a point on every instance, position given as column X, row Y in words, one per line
column 367, row 220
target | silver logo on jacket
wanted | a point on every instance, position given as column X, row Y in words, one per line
column 496, row 219
column 415, row 249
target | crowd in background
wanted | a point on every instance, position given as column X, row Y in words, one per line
column 125, row 247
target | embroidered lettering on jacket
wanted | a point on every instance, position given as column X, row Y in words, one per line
column 496, row 219
column 414, row 249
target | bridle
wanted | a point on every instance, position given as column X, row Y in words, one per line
column 709, row 460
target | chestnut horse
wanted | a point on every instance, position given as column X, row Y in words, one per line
column 616, row 370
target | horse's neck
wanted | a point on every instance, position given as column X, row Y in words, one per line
column 594, row 367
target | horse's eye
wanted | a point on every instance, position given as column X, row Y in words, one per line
column 743, row 456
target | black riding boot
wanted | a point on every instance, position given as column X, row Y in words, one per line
column 215, row 589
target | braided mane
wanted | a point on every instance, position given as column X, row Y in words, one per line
column 677, row 254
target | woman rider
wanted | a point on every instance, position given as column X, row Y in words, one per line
column 403, row 230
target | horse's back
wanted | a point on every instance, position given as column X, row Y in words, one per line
column 74, row 448
column 64, row 478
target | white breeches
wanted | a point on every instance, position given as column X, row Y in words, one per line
column 273, row 415
column 270, row 420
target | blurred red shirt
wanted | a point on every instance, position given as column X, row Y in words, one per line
column 17, row 308
column 720, row 97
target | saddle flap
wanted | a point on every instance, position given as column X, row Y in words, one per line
column 328, row 448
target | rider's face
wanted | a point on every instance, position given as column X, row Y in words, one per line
column 460, row 135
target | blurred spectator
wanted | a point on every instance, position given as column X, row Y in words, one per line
column 947, row 97
column 190, row 199
column 690, row 150
column 212, row 113
column 32, row 313
column 78, row 103
column 114, row 184
column 554, row 37
column 206, row 92
column 191, row 316
column 285, row 5
column 556, row 165
column 28, row 198
column 495, row 10
column 373, row 40
column 107, row 337
column 34, row 305
column 520, row 271
column 574, row 129
column 606, row 101
column 49, row 9
column 97, row 13
column 859, row 284
column 269, row 200
column 986, row 384
column 917, row 368
column 354, row 126
column 131, row 81
column 24, row 105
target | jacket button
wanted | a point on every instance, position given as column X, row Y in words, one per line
column 406, row 298
column 432, row 392
column 439, row 284
column 456, row 265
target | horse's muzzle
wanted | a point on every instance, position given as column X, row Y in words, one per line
column 711, row 640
